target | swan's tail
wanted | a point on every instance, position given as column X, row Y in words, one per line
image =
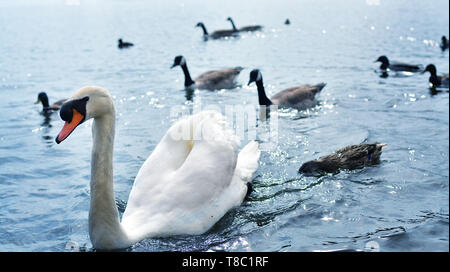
column 247, row 161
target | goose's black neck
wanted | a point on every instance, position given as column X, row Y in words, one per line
column 262, row 97
column 234, row 27
column 187, row 77
column 205, row 32
column 434, row 79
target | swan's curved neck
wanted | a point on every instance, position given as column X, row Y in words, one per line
column 105, row 230
column 187, row 77
column 262, row 97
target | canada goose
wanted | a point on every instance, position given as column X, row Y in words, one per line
column 435, row 80
column 193, row 177
column 124, row 44
column 444, row 43
column 350, row 158
column 245, row 28
column 396, row 66
column 299, row 97
column 218, row 33
column 43, row 98
column 210, row 80
column 287, row 22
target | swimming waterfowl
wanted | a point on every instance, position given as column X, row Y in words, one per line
column 299, row 97
column 191, row 179
column 444, row 43
column 210, row 80
column 218, row 33
column 287, row 22
column 245, row 28
column 350, row 158
column 435, row 80
column 123, row 44
column 396, row 66
column 43, row 98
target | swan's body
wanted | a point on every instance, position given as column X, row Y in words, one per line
column 436, row 81
column 299, row 97
column 245, row 28
column 186, row 185
column 218, row 34
column 210, row 80
column 46, row 107
column 396, row 66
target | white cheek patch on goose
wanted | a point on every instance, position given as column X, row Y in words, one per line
column 259, row 76
column 182, row 61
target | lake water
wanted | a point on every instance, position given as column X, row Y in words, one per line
column 59, row 46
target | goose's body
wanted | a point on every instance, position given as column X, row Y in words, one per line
column 396, row 66
column 46, row 107
column 245, row 28
column 218, row 34
column 210, row 80
column 123, row 44
column 350, row 158
column 191, row 179
column 299, row 97
column 436, row 81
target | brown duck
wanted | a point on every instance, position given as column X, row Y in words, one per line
column 350, row 157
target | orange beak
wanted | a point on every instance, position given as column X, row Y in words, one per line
column 77, row 118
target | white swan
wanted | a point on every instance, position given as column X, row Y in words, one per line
column 185, row 186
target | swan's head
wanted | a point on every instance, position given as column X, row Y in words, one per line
column 179, row 60
column 86, row 103
column 382, row 59
column 430, row 68
column 255, row 75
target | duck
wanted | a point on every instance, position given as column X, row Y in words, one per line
column 397, row 66
column 43, row 98
column 218, row 34
column 444, row 43
column 299, row 97
column 435, row 80
column 210, row 80
column 192, row 178
column 349, row 158
column 287, row 22
column 245, row 28
column 123, row 44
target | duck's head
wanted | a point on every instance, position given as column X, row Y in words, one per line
column 430, row 68
column 42, row 98
column 120, row 41
column 383, row 59
column 444, row 39
column 310, row 167
column 88, row 102
column 179, row 60
column 255, row 75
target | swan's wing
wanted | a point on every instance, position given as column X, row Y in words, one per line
column 184, row 195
